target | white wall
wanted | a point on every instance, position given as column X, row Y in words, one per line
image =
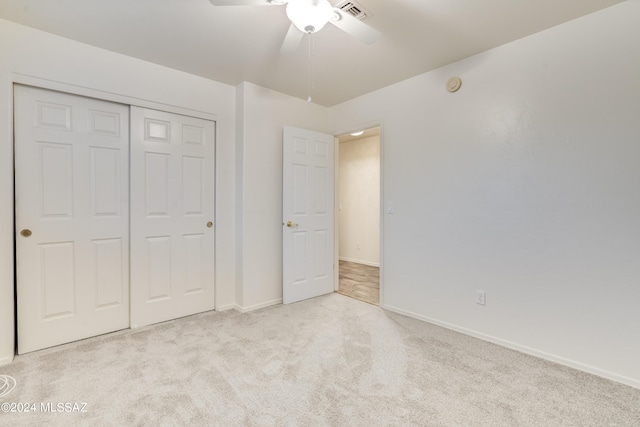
column 525, row 184
column 359, row 200
column 32, row 56
column 262, row 113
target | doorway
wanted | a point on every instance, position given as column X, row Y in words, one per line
column 358, row 215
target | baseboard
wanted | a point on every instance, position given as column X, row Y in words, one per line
column 523, row 349
column 6, row 360
column 226, row 307
column 258, row 306
column 357, row 261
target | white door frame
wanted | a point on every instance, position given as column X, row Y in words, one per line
column 88, row 92
column 336, row 204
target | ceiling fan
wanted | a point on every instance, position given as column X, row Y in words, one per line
column 309, row 16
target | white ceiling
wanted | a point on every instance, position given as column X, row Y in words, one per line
column 242, row 43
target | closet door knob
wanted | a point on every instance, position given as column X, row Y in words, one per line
column 25, row 233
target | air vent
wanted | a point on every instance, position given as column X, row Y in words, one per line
column 353, row 9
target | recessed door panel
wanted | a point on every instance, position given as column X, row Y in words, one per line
column 72, row 219
column 53, row 116
column 109, row 272
column 193, row 135
column 322, row 150
column 321, row 183
column 299, row 149
column 106, row 176
column 300, row 256
column 320, row 241
column 193, row 248
column 300, row 189
column 156, row 191
column 192, row 185
column 57, row 279
column 159, row 267
column 56, row 179
column 104, row 123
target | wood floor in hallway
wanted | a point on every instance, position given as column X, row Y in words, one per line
column 360, row 281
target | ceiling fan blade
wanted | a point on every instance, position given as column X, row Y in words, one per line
column 355, row 28
column 247, row 2
column 291, row 40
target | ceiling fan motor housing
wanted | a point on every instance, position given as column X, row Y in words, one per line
column 309, row 16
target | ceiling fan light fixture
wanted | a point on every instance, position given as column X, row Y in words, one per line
column 309, row 16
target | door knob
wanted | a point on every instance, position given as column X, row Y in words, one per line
column 292, row 224
column 25, row 233
column 209, row 224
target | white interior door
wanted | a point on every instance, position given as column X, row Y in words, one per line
column 172, row 239
column 308, row 215
column 72, row 247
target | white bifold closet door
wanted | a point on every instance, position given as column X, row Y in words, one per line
column 172, row 208
column 72, row 217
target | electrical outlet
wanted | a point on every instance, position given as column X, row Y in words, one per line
column 480, row 297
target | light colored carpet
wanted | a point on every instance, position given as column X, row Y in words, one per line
column 329, row 361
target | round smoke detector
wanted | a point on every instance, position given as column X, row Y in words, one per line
column 453, row 84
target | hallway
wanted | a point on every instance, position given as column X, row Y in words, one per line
column 360, row 281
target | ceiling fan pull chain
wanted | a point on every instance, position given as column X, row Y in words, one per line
column 310, row 67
